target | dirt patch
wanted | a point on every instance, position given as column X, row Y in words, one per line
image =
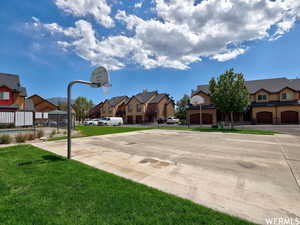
column 131, row 143
column 247, row 165
column 155, row 163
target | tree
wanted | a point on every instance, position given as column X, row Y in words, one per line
column 62, row 106
column 82, row 106
column 181, row 107
column 229, row 93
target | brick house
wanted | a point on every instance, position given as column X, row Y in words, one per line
column 12, row 94
column 149, row 107
column 273, row 101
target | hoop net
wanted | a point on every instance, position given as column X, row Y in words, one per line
column 106, row 89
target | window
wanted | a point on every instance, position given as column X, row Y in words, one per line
column 130, row 108
column 4, row 95
column 262, row 97
column 285, row 96
column 139, row 108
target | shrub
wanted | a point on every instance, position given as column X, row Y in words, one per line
column 5, row 139
column 6, row 125
column 30, row 136
column 40, row 133
column 53, row 132
column 21, row 138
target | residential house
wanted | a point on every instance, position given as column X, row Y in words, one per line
column 160, row 108
column 273, row 101
column 12, row 94
column 148, row 107
column 95, row 112
column 42, row 105
column 113, row 107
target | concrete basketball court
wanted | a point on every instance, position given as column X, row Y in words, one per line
column 250, row 176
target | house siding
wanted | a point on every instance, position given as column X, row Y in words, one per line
column 274, row 106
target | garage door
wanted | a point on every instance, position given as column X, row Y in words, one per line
column 290, row 117
column 206, row 118
column 130, row 119
column 139, row 119
column 264, row 117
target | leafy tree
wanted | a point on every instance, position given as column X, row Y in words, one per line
column 229, row 93
column 82, row 106
column 62, row 106
column 181, row 107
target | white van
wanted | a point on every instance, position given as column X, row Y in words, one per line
column 111, row 121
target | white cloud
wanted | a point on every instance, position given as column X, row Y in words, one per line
column 138, row 5
column 99, row 9
column 229, row 55
column 182, row 32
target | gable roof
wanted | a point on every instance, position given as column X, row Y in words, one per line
column 158, row 98
column 271, row 85
column 144, row 96
column 42, row 100
column 29, row 105
column 116, row 100
column 12, row 81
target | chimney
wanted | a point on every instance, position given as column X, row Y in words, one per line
column 145, row 90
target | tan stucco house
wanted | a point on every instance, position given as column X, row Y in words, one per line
column 113, row 107
column 273, row 101
column 149, row 106
column 95, row 112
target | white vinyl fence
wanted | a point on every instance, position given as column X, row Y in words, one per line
column 20, row 119
column 23, row 119
column 7, row 117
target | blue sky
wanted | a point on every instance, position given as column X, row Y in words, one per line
column 163, row 52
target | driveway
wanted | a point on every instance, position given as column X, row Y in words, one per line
column 250, row 176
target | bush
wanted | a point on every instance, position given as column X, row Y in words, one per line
column 6, row 125
column 53, row 132
column 40, row 133
column 5, row 139
column 30, row 136
column 21, row 138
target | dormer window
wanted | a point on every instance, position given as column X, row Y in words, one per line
column 4, row 95
column 262, row 97
column 285, row 96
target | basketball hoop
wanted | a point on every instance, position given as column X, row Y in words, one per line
column 106, row 89
column 198, row 100
column 99, row 78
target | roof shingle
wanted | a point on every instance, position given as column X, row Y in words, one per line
column 12, row 81
column 270, row 85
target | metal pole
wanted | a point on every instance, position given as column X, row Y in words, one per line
column 70, row 113
column 200, row 115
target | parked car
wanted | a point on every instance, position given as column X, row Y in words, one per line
column 172, row 120
column 160, row 121
column 91, row 122
column 111, row 121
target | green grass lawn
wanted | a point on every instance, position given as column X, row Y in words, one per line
column 40, row 188
column 103, row 130
column 238, row 131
